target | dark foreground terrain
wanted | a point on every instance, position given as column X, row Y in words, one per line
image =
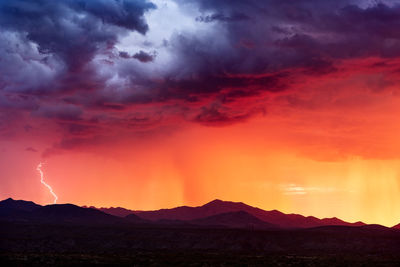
column 49, row 244
column 218, row 233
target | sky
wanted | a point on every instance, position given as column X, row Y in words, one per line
column 291, row 105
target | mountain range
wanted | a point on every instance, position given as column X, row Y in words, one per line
column 216, row 213
column 215, row 207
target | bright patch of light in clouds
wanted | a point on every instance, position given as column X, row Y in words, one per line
column 166, row 21
column 294, row 189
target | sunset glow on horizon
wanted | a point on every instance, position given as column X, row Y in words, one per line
column 286, row 105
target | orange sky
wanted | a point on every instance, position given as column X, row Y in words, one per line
column 339, row 158
column 288, row 105
column 236, row 163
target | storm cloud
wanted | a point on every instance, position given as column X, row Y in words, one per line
column 68, row 61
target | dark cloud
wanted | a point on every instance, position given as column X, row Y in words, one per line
column 209, row 84
column 141, row 56
column 221, row 17
column 17, row 101
column 60, row 112
column 123, row 13
column 217, row 115
column 80, row 129
column 124, row 54
column 52, row 40
column 293, row 34
column 31, row 149
column 60, row 60
column 70, row 143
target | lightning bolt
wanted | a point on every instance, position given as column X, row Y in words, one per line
column 39, row 169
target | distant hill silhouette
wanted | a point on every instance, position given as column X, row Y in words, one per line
column 215, row 207
column 374, row 227
column 23, row 205
column 396, row 226
column 11, row 209
column 117, row 211
column 134, row 218
column 17, row 210
column 72, row 213
column 235, row 219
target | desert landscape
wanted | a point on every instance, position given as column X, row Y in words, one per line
column 219, row 233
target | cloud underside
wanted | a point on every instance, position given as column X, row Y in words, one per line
column 61, row 61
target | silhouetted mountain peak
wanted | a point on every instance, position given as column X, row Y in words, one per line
column 214, row 202
column 218, row 206
column 219, row 202
column 21, row 205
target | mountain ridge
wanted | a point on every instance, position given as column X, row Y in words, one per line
column 217, row 206
column 21, row 210
column 200, row 215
